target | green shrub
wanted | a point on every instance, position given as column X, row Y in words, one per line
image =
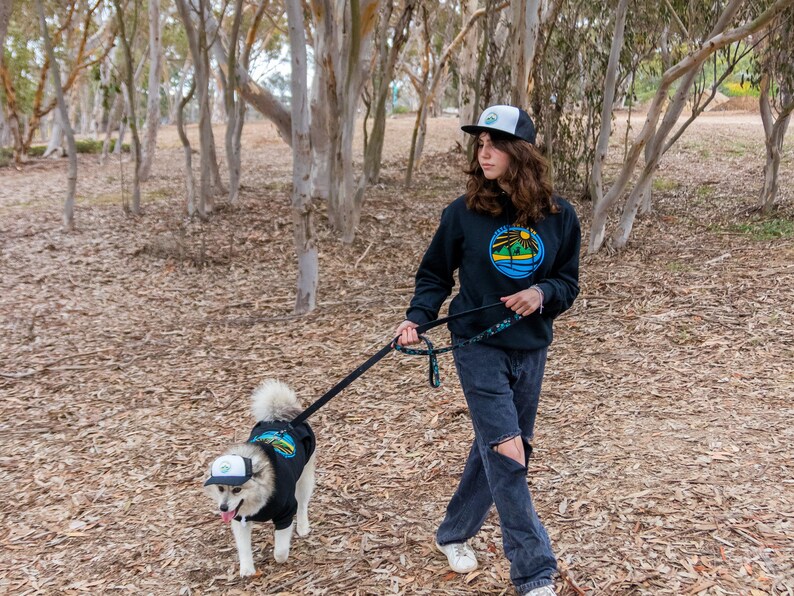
column 89, row 146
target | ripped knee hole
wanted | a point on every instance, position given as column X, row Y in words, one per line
column 512, row 448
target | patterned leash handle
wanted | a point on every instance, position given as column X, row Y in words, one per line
column 433, row 375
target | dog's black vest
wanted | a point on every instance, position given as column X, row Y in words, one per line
column 288, row 451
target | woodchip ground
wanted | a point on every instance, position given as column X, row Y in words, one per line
column 128, row 350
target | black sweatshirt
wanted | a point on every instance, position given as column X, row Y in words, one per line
column 288, row 452
column 496, row 258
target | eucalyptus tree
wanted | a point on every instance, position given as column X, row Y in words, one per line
column 528, row 18
column 82, row 39
column 720, row 36
column 153, row 91
column 128, row 85
column 775, row 74
column 435, row 55
column 607, row 103
column 689, row 27
column 392, row 35
column 302, row 208
column 201, row 31
column 68, row 206
column 570, row 62
column 343, row 35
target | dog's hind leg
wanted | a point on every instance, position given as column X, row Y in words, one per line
column 303, row 492
column 281, row 544
column 242, row 537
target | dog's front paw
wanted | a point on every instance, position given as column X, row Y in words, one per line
column 248, row 571
column 303, row 528
column 281, row 556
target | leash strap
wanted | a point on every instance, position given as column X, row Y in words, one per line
column 341, row 385
column 433, row 374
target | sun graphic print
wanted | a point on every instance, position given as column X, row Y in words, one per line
column 516, row 252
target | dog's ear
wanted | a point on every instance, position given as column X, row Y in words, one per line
column 261, row 467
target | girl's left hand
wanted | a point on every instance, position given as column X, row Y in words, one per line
column 524, row 302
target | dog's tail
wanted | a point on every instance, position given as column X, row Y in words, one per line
column 274, row 400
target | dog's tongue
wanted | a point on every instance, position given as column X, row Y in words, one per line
column 228, row 516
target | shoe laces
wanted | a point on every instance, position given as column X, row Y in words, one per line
column 460, row 550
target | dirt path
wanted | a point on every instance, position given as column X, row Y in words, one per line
column 128, row 350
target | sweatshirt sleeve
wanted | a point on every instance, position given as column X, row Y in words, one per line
column 435, row 276
column 561, row 286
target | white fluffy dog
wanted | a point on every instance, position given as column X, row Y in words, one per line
column 269, row 478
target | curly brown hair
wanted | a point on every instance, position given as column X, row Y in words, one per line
column 527, row 177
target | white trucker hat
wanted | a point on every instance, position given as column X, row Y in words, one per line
column 506, row 120
column 232, row 470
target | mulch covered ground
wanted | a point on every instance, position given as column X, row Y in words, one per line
column 128, row 349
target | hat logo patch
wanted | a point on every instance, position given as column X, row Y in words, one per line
column 491, row 118
column 225, row 467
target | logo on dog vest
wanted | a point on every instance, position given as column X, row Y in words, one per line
column 282, row 443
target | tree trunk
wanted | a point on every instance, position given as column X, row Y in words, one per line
column 262, row 100
column 153, row 99
column 417, row 140
column 774, row 133
column 388, row 54
column 68, row 205
column 197, row 41
column 135, row 206
column 322, row 131
column 5, row 135
column 190, row 181
column 114, row 118
column 302, row 208
column 602, row 145
column 55, row 145
column 5, row 17
column 13, row 119
column 233, row 117
column 469, row 81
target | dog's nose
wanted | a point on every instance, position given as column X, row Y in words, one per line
column 224, row 507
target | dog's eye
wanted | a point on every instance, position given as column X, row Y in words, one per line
column 236, row 490
column 220, row 489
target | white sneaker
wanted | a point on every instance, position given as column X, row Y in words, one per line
column 542, row 591
column 460, row 556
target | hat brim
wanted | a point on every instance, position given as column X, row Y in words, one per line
column 473, row 129
column 227, row 480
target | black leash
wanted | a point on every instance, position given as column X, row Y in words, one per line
column 341, row 385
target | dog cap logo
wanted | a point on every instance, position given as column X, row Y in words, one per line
column 225, row 467
column 491, row 118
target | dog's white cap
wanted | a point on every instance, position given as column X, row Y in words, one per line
column 231, row 470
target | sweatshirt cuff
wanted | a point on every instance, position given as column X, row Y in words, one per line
column 549, row 293
column 418, row 316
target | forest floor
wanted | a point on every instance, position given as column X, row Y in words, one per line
column 128, row 349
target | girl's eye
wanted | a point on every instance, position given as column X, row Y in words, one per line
column 236, row 490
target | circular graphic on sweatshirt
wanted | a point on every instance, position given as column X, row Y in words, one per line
column 516, row 252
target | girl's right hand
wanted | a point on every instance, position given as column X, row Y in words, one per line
column 406, row 333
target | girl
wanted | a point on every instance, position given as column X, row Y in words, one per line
column 510, row 239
